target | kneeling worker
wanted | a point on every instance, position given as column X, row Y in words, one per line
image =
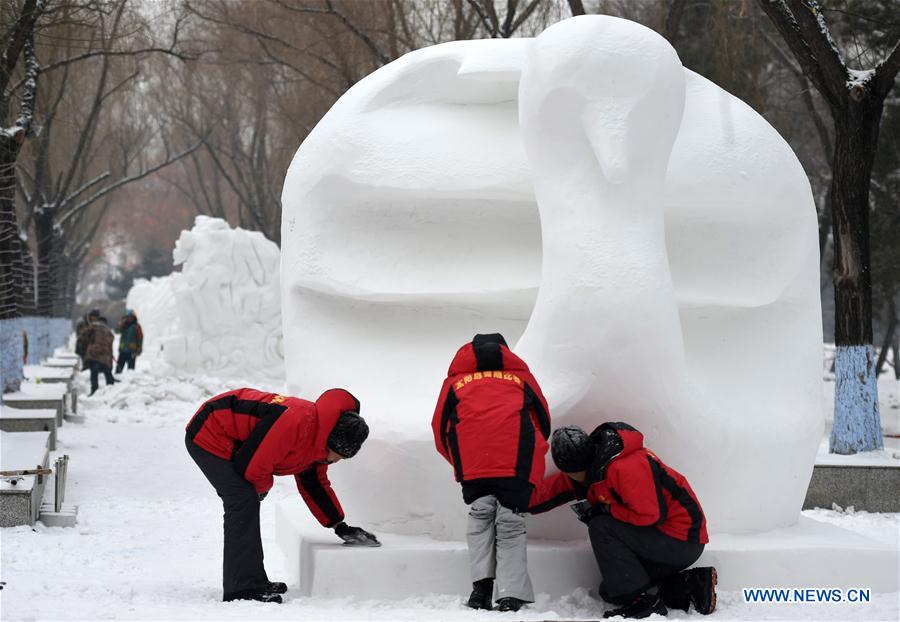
column 241, row 439
column 645, row 522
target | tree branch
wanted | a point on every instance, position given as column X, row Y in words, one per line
column 85, row 187
column 482, row 16
column 383, row 59
column 886, row 71
column 806, row 87
column 127, row 180
column 788, row 26
column 524, row 15
column 673, row 19
column 577, row 7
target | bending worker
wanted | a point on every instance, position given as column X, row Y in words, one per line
column 241, row 439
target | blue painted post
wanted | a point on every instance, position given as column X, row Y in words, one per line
column 11, row 352
column 857, row 422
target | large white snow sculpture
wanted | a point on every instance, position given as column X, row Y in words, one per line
column 678, row 280
column 679, row 292
column 222, row 312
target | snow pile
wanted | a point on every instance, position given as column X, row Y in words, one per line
column 222, row 312
column 657, row 238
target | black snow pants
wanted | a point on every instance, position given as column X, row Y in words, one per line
column 98, row 368
column 242, row 568
column 632, row 558
column 125, row 358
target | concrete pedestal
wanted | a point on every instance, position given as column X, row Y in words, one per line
column 66, row 517
column 40, row 374
column 55, row 396
column 29, row 420
column 20, row 498
column 809, row 553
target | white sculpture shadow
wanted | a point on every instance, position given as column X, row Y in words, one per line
column 669, row 277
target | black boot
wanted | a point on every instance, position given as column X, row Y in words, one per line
column 509, row 603
column 701, row 586
column 264, row 596
column 641, row 607
column 277, row 587
column 612, row 600
column 482, row 594
column 674, row 592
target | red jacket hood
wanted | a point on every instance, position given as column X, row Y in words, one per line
column 466, row 361
column 632, row 440
column 329, row 407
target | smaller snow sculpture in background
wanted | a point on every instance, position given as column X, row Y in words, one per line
column 222, row 312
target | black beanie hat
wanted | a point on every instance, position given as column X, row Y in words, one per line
column 348, row 434
column 571, row 449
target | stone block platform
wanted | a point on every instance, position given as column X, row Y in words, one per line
column 868, row 481
column 41, row 396
column 64, row 363
column 20, row 498
column 29, row 420
column 39, row 374
column 808, row 553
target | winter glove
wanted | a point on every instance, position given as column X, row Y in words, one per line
column 587, row 512
column 355, row 535
column 262, row 495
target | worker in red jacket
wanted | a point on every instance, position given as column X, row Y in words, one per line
column 242, row 439
column 645, row 522
column 491, row 424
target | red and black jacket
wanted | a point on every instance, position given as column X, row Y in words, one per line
column 638, row 487
column 266, row 434
column 491, row 419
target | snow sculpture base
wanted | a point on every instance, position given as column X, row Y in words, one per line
column 810, row 553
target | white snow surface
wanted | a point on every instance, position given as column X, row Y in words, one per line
column 645, row 239
column 148, row 542
column 222, row 312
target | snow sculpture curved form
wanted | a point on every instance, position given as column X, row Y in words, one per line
column 222, row 312
column 674, row 254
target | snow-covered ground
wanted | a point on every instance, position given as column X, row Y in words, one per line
column 148, row 540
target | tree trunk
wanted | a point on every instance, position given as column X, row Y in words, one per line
column 10, row 243
column 886, row 344
column 49, row 249
column 857, row 425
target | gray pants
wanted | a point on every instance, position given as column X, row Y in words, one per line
column 498, row 548
column 242, row 565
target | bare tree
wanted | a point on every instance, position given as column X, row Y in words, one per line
column 17, row 42
column 65, row 182
column 856, row 100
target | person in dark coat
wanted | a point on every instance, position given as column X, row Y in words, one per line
column 98, row 355
column 81, row 333
column 242, row 439
column 491, row 424
column 645, row 523
column 131, row 341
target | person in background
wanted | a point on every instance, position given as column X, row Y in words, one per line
column 491, row 424
column 99, row 353
column 241, row 439
column 131, row 341
column 644, row 520
column 81, row 337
